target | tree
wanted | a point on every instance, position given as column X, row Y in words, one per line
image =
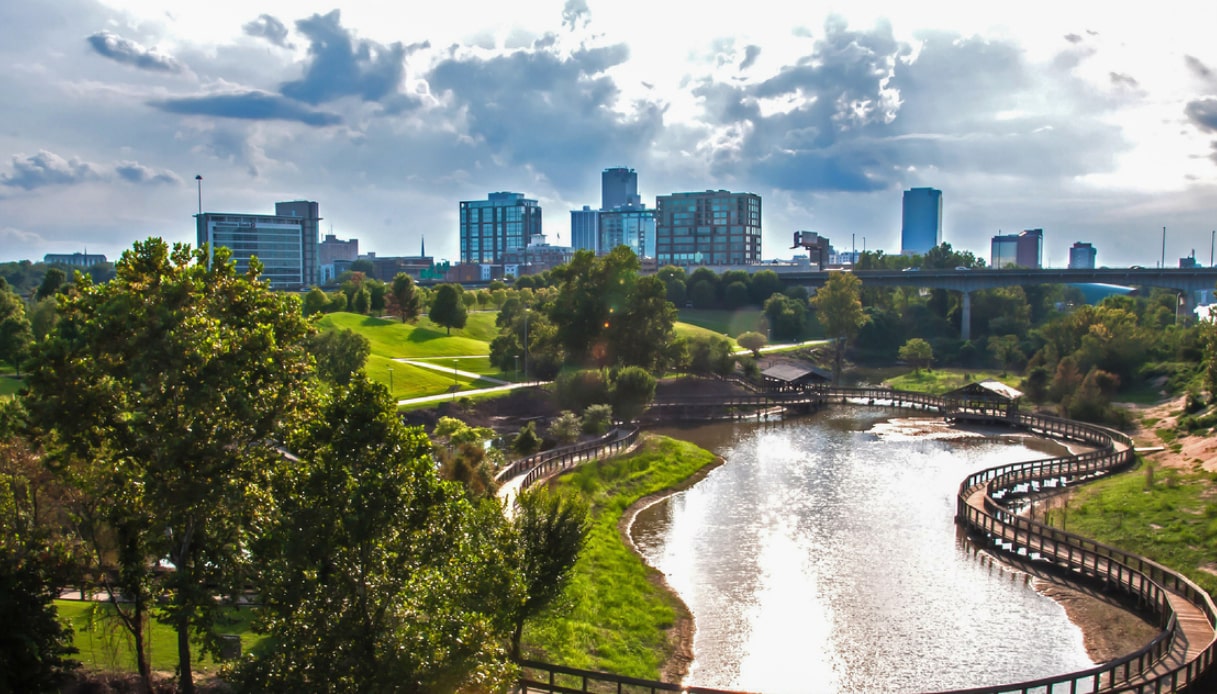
column 787, row 317
column 566, row 427
column 639, row 332
column 361, row 302
column 839, row 309
column 918, row 353
column 162, row 394
column 764, row 284
column 378, row 575
column 52, row 281
column 339, row 353
column 527, row 441
column 551, row 529
column 447, row 309
column 710, row 354
column 597, row 419
column 15, row 333
column 633, row 390
column 315, row 301
column 405, row 297
column 35, row 564
column 752, row 341
column 592, row 289
column 1005, row 351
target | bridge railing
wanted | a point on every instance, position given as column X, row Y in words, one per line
column 527, row 463
column 545, row 677
column 573, row 455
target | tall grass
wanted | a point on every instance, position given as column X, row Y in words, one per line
column 613, row 617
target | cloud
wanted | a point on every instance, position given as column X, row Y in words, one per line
column 46, row 169
column 340, row 65
column 552, row 112
column 1203, row 113
column 575, row 12
column 751, row 53
column 13, row 237
column 269, row 28
column 1120, row 79
column 1197, row 68
column 1073, row 38
column 252, row 105
column 135, row 172
column 131, row 53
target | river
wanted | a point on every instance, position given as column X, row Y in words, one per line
column 823, row 556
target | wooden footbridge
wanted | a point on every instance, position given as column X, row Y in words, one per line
column 1178, row 659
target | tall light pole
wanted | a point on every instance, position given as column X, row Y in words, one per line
column 526, row 343
column 1212, row 241
column 198, row 179
column 1162, row 265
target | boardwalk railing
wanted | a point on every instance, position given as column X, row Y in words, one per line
column 1165, row 664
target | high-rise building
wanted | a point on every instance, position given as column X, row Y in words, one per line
column 585, row 229
column 501, row 222
column 618, row 186
column 710, row 228
column 1081, row 256
column 921, row 220
column 336, row 256
column 1024, row 249
column 628, row 225
column 285, row 242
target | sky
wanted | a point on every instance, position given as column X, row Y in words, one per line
column 1094, row 121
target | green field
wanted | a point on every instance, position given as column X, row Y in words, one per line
column 105, row 645
column 612, row 617
column 689, row 330
column 722, row 321
column 1166, row 515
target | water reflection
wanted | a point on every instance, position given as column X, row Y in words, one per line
column 823, row 556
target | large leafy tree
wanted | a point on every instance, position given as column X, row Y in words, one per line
column 15, row 333
column 640, row 331
column 378, row 575
column 839, row 308
column 447, row 308
column 161, row 396
column 405, row 298
column 551, row 529
column 591, row 291
column 339, row 354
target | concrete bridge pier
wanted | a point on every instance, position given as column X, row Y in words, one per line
column 965, row 317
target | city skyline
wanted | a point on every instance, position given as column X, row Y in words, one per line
column 1092, row 122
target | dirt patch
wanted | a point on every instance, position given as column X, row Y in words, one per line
column 1189, row 453
column 1108, row 631
column 680, row 634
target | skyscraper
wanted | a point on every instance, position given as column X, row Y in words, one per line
column 628, row 225
column 618, row 186
column 501, row 222
column 716, row 227
column 585, row 229
column 1082, row 256
column 921, row 221
column 1024, row 249
column 285, row 242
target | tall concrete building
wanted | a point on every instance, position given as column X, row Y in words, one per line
column 585, row 229
column 491, row 227
column 285, row 243
column 336, row 256
column 716, row 227
column 618, row 186
column 1024, row 249
column 1081, row 256
column 921, row 220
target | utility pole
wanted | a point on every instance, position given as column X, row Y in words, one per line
column 1162, row 265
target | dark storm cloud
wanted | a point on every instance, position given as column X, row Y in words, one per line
column 575, row 14
column 269, row 28
column 248, row 106
column 131, row 53
column 860, row 110
column 550, row 111
column 46, row 169
column 1203, row 113
column 751, row 53
column 135, row 172
column 340, row 65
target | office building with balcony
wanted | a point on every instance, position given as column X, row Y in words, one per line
column 715, row 227
column 921, row 220
column 491, row 227
column 1081, row 256
column 286, row 243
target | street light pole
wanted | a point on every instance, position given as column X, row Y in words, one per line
column 526, row 343
column 198, row 179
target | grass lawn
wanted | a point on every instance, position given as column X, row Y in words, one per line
column 105, row 645
column 612, row 617
column 939, row 381
column 1166, row 515
column 391, row 338
column 722, row 321
column 689, row 330
column 10, row 384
